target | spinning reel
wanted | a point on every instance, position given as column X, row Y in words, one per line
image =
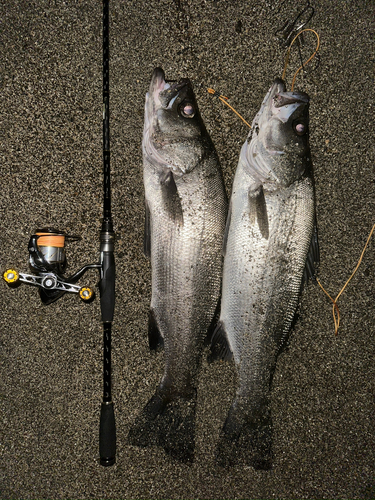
column 47, row 259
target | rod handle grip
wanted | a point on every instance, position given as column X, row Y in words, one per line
column 107, row 435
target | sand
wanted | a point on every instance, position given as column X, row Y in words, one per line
column 51, row 164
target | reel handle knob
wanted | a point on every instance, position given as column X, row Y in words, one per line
column 87, row 294
column 12, row 278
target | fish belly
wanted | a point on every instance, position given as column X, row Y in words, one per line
column 186, row 266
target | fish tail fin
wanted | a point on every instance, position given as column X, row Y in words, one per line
column 169, row 422
column 245, row 441
column 220, row 348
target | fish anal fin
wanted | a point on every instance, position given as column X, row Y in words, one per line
column 220, row 348
column 155, row 338
column 258, row 210
column 213, row 324
column 312, row 259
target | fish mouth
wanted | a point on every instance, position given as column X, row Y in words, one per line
column 279, row 97
column 163, row 92
column 279, row 102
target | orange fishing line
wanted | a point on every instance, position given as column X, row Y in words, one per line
column 335, row 308
column 51, row 240
column 224, row 100
column 308, row 60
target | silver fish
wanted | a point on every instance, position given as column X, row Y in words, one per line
column 186, row 209
column 270, row 245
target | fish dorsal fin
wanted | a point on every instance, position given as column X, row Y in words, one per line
column 171, row 198
column 147, row 233
column 225, row 237
column 220, row 348
column 258, row 210
column 155, row 338
column 312, row 259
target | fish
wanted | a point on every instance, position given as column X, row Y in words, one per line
column 270, row 249
column 186, row 209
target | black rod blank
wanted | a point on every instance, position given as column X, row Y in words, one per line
column 106, row 149
column 107, row 430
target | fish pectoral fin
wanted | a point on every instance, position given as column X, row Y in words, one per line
column 312, row 260
column 147, row 233
column 213, row 324
column 226, row 232
column 220, row 348
column 258, row 211
column 155, row 338
column 171, row 198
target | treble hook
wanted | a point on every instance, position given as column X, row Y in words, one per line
column 292, row 27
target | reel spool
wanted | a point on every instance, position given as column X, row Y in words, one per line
column 47, row 250
column 50, row 247
column 47, row 258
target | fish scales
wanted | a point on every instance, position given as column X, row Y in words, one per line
column 186, row 267
column 265, row 278
column 257, row 272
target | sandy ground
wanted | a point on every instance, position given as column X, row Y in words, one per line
column 51, row 164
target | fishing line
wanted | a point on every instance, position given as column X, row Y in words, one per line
column 308, row 60
column 335, row 308
column 290, row 27
column 224, row 100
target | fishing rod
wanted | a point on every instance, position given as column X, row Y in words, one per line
column 107, row 434
column 47, row 260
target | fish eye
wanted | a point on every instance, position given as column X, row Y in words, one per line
column 187, row 110
column 300, row 127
